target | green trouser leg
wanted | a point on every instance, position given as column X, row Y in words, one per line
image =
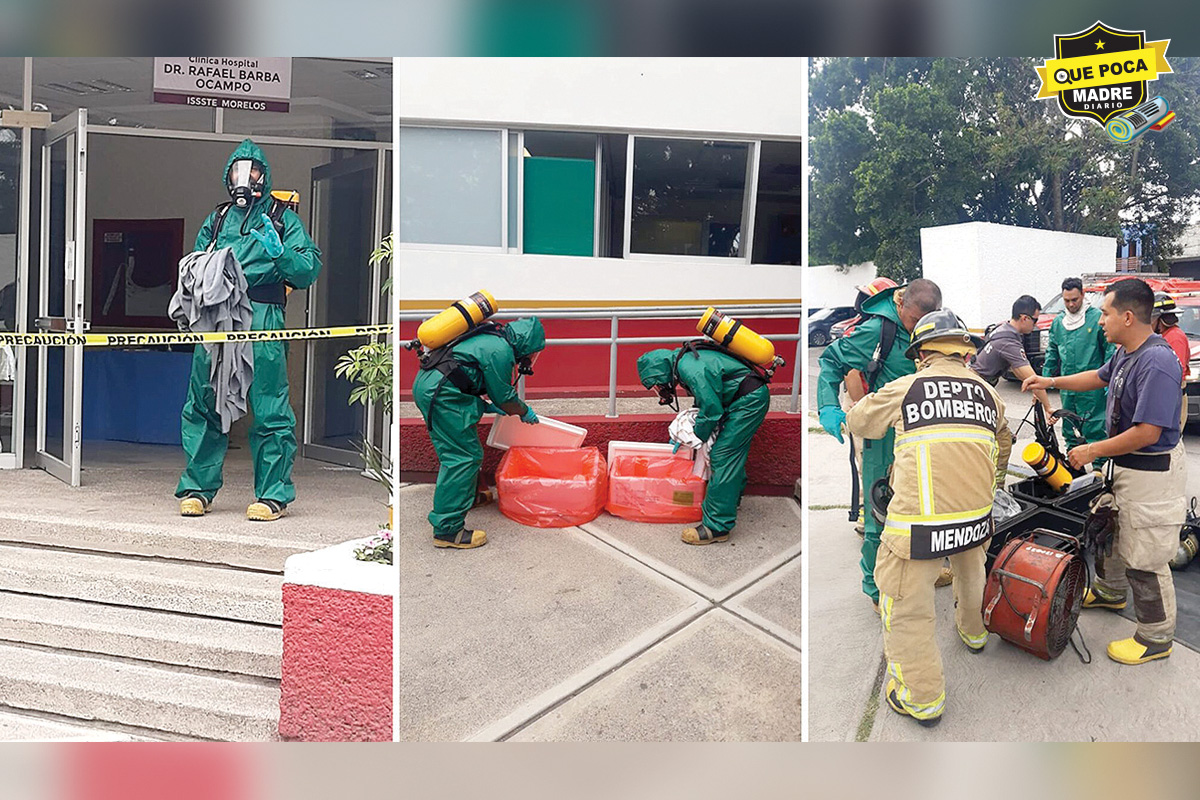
column 876, row 462
column 727, row 459
column 203, row 442
column 272, row 431
column 1091, row 406
column 453, row 418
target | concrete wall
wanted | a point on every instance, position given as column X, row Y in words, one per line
column 983, row 267
column 434, row 278
column 772, row 468
column 830, row 285
column 730, row 96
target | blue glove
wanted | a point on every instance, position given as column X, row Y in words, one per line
column 270, row 240
column 529, row 417
column 675, row 449
column 832, row 419
column 488, row 408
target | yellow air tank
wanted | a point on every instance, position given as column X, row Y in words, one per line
column 1047, row 466
column 737, row 337
column 456, row 320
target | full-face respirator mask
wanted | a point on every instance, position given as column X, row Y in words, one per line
column 245, row 181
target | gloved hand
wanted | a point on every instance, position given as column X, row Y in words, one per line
column 675, row 449
column 270, row 240
column 529, row 417
column 832, row 418
column 488, row 408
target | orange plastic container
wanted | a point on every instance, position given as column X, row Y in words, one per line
column 552, row 488
column 654, row 489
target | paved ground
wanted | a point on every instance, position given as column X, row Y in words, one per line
column 134, row 484
column 1000, row 695
column 608, row 631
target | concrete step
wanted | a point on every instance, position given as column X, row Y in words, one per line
column 157, row 636
column 152, row 698
column 233, row 542
column 16, row 727
column 139, row 583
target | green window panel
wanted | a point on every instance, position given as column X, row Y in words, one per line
column 559, row 205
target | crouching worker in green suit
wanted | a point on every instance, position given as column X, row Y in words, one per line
column 449, row 391
column 732, row 400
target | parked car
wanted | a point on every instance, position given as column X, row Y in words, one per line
column 820, row 323
column 844, row 327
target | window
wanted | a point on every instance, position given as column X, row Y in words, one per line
column 613, row 149
column 688, row 197
column 452, row 188
column 560, row 193
column 778, row 219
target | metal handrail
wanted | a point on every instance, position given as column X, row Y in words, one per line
column 656, row 312
column 614, row 340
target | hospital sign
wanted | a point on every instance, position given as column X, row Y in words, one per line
column 242, row 84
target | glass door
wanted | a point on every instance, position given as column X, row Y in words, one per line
column 60, row 296
column 344, row 226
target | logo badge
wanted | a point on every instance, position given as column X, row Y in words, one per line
column 1101, row 73
column 1101, row 102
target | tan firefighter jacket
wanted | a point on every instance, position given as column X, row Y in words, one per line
column 951, row 452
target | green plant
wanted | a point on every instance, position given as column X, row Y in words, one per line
column 371, row 368
column 379, row 549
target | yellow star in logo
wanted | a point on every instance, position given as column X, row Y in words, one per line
column 1099, row 44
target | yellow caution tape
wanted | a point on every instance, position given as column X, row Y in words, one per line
column 132, row 339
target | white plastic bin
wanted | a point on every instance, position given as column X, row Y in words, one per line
column 509, row 431
column 616, row 449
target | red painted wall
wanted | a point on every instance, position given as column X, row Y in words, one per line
column 773, row 466
column 337, row 666
column 569, row 370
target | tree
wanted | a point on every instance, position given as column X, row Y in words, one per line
column 901, row 144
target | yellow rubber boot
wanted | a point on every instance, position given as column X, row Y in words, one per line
column 463, row 540
column 1093, row 599
column 893, row 701
column 702, row 535
column 266, row 511
column 973, row 644
column 193, row 506
column 1132, row 651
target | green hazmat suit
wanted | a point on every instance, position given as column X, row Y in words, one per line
column 273, row 430
column 1080, row 350
column 489, row 363
column 713, row 378
column 855, row 352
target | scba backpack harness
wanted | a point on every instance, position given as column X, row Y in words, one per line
column 274, row 293
column 443, row 360
column 759, row 376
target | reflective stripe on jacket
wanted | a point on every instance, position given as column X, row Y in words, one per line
column 952, row 450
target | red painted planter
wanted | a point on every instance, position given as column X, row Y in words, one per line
column 336, row 684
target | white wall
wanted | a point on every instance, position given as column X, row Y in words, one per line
column 1190, row 241
column 747, row 96
column 828, row 285
column 982, row 267
column 432, row 278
